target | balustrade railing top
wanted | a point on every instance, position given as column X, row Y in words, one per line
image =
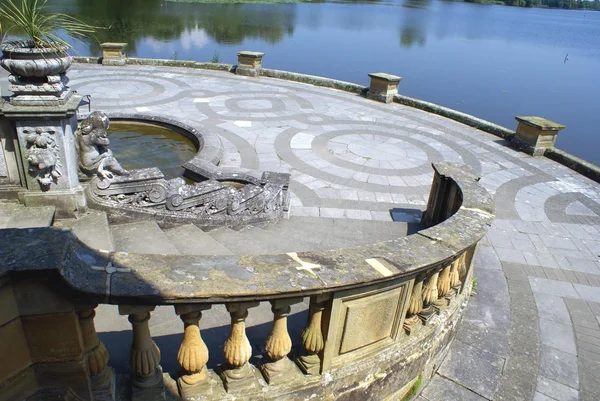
column 166, row 279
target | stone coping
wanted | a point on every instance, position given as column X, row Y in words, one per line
column 587, row 169
column 385, row 77
column 168, row 279
column 247, row 53
column 540, row 123
column 113, row 45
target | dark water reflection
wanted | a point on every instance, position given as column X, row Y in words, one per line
column 491, row 61
column 138, row 146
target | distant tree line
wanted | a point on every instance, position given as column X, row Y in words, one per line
column 565, row 4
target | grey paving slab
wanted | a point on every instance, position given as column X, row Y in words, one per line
column 553, row 287
column 558, row 335
column 473, row 368
column 440, row 388
column 559, row 366
column 556, row 390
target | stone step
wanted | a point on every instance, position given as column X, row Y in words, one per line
column 144, row 237
column 326, row 233
column 249, row 241
column 92, row 229
column 14, row 215
column 190, row 240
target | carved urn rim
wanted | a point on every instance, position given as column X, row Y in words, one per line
column 23, row 59
column 27, row 47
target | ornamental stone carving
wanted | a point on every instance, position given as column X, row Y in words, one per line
column 95, row 158
column 43, row 155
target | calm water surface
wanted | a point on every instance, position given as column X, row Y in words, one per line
column 141, row 145
column 494, row 62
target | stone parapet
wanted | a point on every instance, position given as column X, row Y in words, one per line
column 355, row 331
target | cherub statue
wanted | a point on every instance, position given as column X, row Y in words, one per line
column 94, row 156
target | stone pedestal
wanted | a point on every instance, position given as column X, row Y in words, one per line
column 45, row 153
column 383, row 87
column 113, row 53
column 249, row 63
column 535, row 134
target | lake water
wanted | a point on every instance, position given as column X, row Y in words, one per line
column 494, row 62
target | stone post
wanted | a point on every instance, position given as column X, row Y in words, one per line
column 312, row 337
column 113, row 53
column 147, row 381
column 415, row 305
column 249, row 63
column 101, row 375
column 238, row 375
column 430, row 295
column 39, row 122
column 535, row 134
column 383, row 87
column 193, row 353
column 279, row 344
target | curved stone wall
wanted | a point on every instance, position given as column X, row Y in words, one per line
column 380, row 315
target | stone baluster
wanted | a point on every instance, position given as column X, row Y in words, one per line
column 462, row 266
column 430, row 295
column 415, row 305
column 238, row 375
column 312, row 337
column 455, row 282
column 193, row 353
column 96, row 355
column 147, row 381
column 279, row 344
column 443, row 289
column 443, row 284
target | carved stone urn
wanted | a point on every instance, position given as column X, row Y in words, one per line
column 38, row 75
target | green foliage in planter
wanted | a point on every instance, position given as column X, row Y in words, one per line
column 31, row 18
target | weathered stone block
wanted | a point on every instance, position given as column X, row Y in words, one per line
column 34, row 297
column 14, row 353
column 113, row 53
column 249, row 63
column 9, row 310
column 55, row 338
column 18, row 386
column 383, row 87
column 535, row 134
column 73, row 375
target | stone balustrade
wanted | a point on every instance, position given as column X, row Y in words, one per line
column 379, row 315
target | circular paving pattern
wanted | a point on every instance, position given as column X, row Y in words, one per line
column 371, row 150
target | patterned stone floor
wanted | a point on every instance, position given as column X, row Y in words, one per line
column 532, row 330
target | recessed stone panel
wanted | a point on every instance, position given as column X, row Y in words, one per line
column 368, row 320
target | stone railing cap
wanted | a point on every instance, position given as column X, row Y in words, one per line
column 541, row 123
column 384, row 76
column 113, row 45
column 250, row 54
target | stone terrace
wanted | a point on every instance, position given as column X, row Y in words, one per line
column 532, row 330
